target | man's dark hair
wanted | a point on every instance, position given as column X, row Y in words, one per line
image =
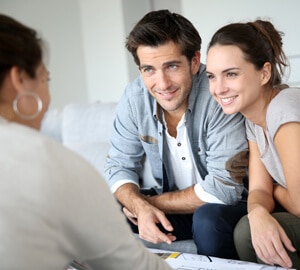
column 159, row 27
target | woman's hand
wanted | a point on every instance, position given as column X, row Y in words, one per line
column 269, row 239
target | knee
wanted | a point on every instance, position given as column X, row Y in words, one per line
column 207, row 231
column 213, row 226
column 207, row 215
column 205, row 220
column 210, row 216
column 241, row 233
column 242, row 241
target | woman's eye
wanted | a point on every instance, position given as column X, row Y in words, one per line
column 231, row 74
column 209, row 76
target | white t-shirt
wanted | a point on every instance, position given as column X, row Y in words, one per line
column 183, row 163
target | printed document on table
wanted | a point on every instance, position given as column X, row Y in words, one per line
column 187, row 261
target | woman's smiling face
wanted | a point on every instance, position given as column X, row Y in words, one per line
column 233, row 81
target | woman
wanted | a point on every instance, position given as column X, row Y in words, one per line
column 245, row 65
column 54, row 207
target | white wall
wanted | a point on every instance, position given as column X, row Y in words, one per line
column 103, row 34
column 58, row 21
column 88, row 60
column 208, row 16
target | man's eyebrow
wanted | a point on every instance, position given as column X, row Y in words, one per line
column 173, row 62
column 145, row 66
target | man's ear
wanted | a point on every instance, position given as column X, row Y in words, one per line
column 196, row 62
column 266, row 73
column 17, row 77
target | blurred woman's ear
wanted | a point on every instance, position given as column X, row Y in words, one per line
column 18, row 79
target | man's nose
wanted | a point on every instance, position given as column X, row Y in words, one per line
column 163, row 80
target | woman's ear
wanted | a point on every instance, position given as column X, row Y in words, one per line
column 18, row 79
column 266, row 73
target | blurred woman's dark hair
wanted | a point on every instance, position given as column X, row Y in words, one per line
column 19, row 46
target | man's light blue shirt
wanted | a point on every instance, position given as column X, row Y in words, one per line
column 218, row 141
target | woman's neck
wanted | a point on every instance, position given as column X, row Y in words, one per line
column 258, row 112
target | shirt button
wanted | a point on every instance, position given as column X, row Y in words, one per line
column 179, row 144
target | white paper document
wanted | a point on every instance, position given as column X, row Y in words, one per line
column 186, row 261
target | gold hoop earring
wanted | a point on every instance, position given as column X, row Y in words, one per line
column 26, row 116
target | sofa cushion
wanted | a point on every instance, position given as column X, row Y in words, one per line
column 86, row 128
column 51, row 124
column 87, row 122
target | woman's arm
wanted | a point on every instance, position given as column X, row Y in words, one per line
column 268, row 237
column 260, row 183
column 287, row 142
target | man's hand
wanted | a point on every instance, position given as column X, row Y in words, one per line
column 147, row 221
column 145, row 215
column 130, row 216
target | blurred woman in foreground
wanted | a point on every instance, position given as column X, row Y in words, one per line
column 54, row 207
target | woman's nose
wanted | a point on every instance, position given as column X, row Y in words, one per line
column 219, row 87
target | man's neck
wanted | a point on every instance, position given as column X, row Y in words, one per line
column 172, row 120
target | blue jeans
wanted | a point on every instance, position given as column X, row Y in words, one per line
column 211, row 226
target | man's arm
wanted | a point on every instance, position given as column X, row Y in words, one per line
column 226, row 156
column 125, row 161
column 126, row 151
column 177, row 202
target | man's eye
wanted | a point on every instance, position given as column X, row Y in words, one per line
column 173, row 67
column 147, row 70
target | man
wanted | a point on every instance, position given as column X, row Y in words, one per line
column 198, row 155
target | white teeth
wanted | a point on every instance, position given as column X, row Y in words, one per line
column 166, row 93
column 227, row 99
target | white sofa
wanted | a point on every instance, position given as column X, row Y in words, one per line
column 86, row 128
